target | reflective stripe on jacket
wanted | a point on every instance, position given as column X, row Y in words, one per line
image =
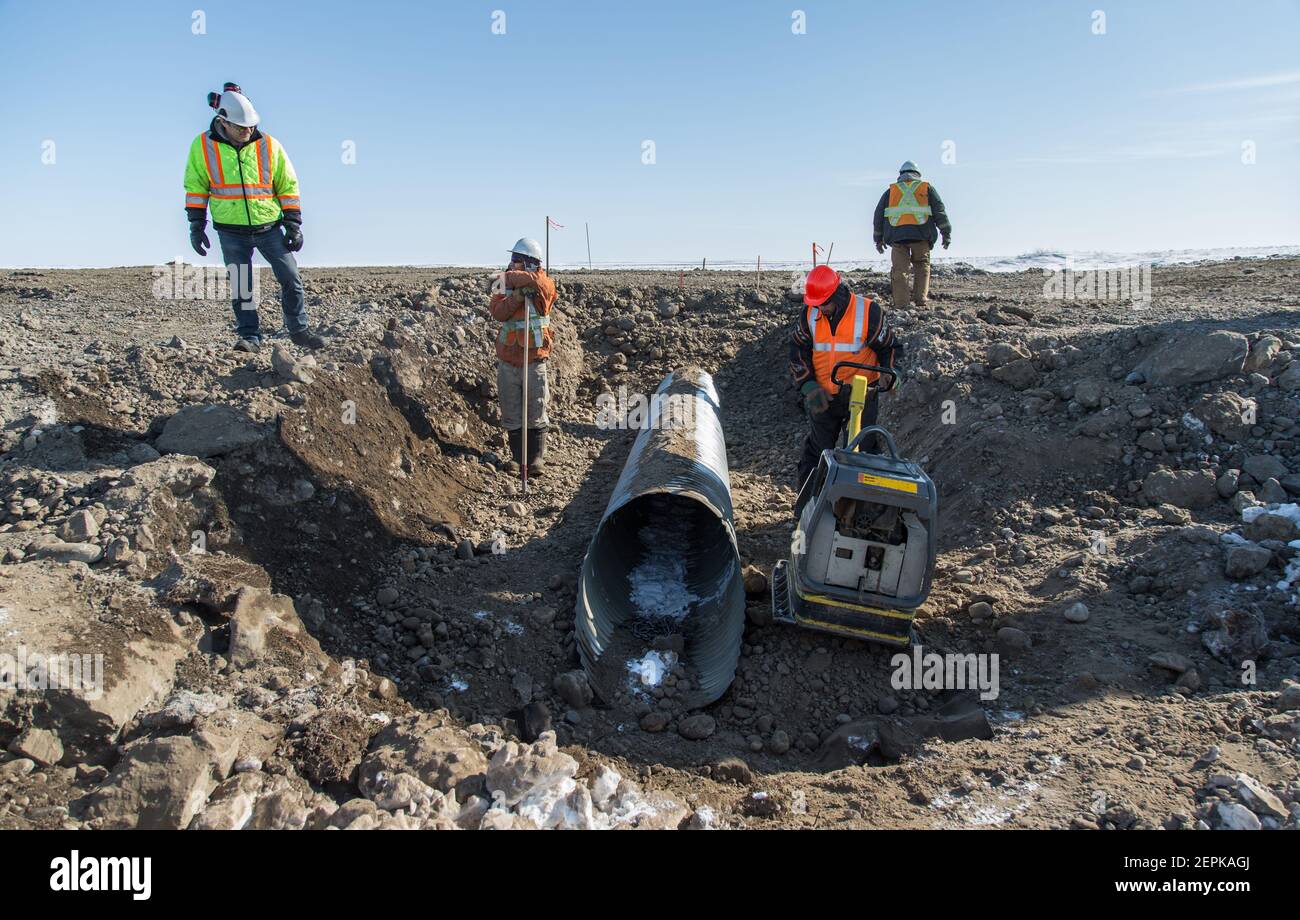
column 512, row 330
column 246, row 186
column 909, row 203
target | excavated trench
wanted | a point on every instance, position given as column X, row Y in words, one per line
column 659, row 599
column 654, row 578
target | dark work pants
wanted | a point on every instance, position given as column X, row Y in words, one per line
column 824, row 429
column 237, row 251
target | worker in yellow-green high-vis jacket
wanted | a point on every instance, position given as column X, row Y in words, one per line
column 245, row 179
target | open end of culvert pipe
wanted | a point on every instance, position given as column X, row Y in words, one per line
column 661, row 590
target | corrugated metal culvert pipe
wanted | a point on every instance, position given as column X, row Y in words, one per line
column 661, row 583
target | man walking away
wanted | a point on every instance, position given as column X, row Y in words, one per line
column 246, row 179
column 909, row 218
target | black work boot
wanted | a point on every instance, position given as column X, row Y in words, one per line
column 536, row 451
column 516, row 438
column 307, row 339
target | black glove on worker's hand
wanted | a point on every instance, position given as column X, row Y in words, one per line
column 293, row 237
column 815, row 399
column 891, row 382
column 946, row 241
column 880, row 247
column 199, row 239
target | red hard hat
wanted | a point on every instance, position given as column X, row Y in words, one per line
column 821, row 284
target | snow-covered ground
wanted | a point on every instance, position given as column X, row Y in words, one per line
column 1037, row 259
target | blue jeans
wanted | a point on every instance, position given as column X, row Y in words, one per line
column 237, row 251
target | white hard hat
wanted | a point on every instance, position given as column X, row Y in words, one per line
column 908, row 167
column 528, row 247
column 235, row 108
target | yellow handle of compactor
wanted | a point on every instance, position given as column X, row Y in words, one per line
column 857, row 404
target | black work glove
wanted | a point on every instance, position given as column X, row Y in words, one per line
column 293, row 237
column 815, row 399
column 890, row 382
column 880, row 247
column 199, row 239
column 947, row 240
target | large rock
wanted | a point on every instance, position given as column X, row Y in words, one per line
column 1246, row 560
column 38, row 744
column 1269, row 526
column 1108, row 421
column 79, row 527
column 696, row 727
column 434, row 753
column 1263, row 467
column 849, row 745
column 47, row 547
column 1001, row 353
column 1259, row 798
column 1183, row 488
column 519, row 771
column 573, row 688
column 1234, row 636
column 208, row 431
column 160, row 784
column 1232, row 816
column 51, row 607
column 181, row 476
column 257, row 614
column 1262, row 353
column 1019, row 374
column 1196, row 358
column 1289, row 379
column 1087, row 393
column 211, row 581
column 231, row 804
column 290, row 368
column 1228, row 414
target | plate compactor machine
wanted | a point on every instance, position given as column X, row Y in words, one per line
column 864, row 548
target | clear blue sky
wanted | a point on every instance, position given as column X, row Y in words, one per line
column 765, row 139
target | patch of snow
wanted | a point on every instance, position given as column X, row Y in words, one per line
column 1290, row 510
column 649, row 670
column 706, row 818
column 658, row 582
